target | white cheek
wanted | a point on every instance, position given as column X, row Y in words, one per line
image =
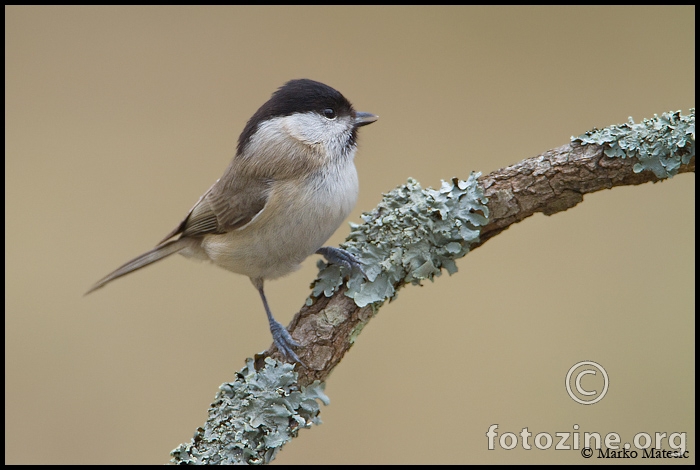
column 313, row 129
column 307, row 128
column 271, row 135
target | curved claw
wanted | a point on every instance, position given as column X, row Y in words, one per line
column 341, row 257
column 284, row 341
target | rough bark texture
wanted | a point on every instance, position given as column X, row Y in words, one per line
column 411, row 235
column 549, row 183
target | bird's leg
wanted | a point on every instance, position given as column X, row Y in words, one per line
column 283, row 340
column 341, row 257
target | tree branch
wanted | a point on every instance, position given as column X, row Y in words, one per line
column 411, row 236
column 556, row 181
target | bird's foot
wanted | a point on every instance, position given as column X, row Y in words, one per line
column 284, row 341
column 341, row 257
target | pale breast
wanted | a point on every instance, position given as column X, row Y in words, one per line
column 296, row 221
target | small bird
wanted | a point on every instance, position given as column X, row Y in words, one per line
column 290, row 185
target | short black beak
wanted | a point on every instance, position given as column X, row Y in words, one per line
column 362, row 119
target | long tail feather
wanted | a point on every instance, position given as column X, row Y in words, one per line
column 139, row 262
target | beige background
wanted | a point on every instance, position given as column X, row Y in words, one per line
column 117, row 119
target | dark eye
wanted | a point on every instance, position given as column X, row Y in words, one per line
column 329, row 113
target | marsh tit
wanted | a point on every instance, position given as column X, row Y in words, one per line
column 290, row 185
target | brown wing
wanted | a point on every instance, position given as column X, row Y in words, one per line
column 224, row 208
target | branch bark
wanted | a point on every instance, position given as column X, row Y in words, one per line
column 326, row 327
column 549, row 183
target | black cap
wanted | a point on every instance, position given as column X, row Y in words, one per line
column 297, row 96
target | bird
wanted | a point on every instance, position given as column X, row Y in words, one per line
column 289, row 186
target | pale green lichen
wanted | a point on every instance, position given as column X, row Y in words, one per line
column 253, row 417
column 410, row 236
column 660, row 144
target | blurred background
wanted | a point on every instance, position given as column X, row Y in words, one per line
column 118, row 118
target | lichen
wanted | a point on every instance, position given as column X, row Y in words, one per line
column 410, row 236
column 660, row 144
column 253, row 417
